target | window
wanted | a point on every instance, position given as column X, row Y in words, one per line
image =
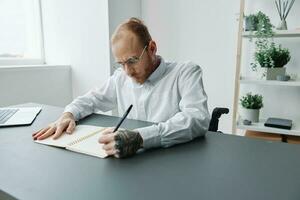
column 21, row 40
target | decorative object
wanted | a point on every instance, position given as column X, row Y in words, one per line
column 270, row 73
column 263, row 34
column 272, row 59
column 247, row 122
column 279, row 123
column 283, row 8
column 261, row 24
column 264, row 29
column 293, row 76
column 251, row 104
column 272, row 56
column 283, row 77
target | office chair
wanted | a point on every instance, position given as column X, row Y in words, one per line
column 216, row 114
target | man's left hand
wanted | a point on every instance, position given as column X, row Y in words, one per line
column 122, row 143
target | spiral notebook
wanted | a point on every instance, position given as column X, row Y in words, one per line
column 84, row 140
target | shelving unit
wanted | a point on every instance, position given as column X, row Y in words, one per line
column 244, row 80
column 278, row 34
column 260, row 127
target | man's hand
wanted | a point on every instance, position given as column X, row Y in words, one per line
column 66, row 123
column 122, row 143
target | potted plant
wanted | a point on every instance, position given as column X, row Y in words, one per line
column 264, row 29
column 251, row 22
column 251, row 104
column 261, row 24
column 272, row 58
column 268, row 55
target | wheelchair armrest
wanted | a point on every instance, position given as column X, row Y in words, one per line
column 216, row 114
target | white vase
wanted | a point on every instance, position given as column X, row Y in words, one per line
column 250, row 114
column 270, row 73
column 282, row 25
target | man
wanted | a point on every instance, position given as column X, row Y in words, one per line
column 170, row 94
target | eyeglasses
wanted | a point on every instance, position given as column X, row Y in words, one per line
column 130, row 62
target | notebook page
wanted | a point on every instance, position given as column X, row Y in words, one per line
column 89, row 146
column 62, row 141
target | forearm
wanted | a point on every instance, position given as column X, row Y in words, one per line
column 103, row 99
column 183, row 127
column 81, row 106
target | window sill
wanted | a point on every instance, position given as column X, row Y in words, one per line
column 31, row 67
column 20, row 61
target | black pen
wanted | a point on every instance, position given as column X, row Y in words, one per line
column 123, row 117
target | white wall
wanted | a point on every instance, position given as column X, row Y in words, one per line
column 119, row 11
column 204, row 32
column 76, row 32
column 40, row 84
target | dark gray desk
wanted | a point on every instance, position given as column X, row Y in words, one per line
column 215, row 167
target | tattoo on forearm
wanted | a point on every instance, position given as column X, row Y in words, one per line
column 127, row 143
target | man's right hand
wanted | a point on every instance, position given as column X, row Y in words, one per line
column 66, row 123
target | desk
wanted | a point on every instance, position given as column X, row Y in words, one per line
column 218, row 166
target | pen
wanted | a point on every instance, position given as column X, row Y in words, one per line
column 123, row 118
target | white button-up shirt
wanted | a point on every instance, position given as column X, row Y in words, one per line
column 173, row 97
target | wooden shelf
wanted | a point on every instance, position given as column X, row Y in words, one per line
column 247, row 80
column 278, row 34
column 260, row 127
column 239, row 79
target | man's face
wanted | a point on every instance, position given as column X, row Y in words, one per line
column 133, row 57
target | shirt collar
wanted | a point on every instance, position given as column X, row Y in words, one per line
column 155, row 76
column 158, row 73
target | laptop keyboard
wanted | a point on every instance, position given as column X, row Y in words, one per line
column 5, row 114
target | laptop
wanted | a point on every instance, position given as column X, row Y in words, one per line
column 18, row 116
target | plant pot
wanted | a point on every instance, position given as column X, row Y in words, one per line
column 271, row 73
column 250, row 114
column 250, row 25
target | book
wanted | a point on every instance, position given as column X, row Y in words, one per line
column 279, row 123
column 84, row 140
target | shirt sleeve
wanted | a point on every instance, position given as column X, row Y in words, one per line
column 100, row 98
column 193, row 119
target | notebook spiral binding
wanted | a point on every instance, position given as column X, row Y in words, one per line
column 85, row 137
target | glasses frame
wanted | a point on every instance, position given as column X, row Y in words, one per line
column 130, row 62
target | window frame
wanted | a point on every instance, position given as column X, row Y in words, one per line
column 7, row 61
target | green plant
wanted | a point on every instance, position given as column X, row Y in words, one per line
column 264, row 26
column 250, row 101
column 267, row 54
column 251, row 22
column 271, row 56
